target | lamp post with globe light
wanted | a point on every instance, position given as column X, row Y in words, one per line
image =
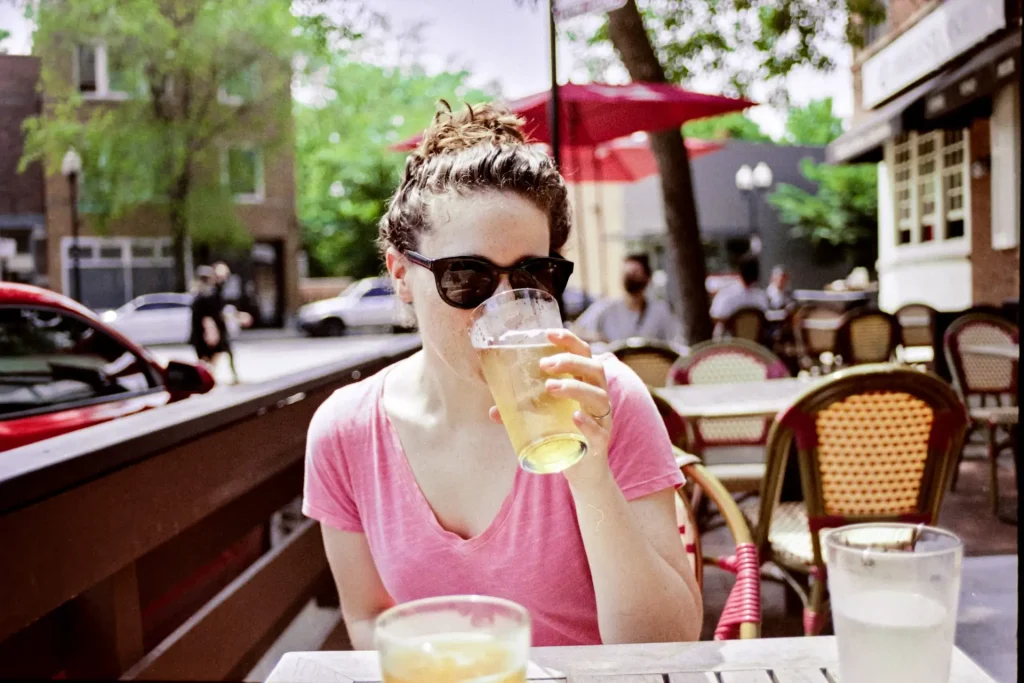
column 70, row 168
column 751, row 183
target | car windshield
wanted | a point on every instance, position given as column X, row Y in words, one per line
column 49, row 360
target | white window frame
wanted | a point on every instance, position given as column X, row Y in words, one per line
column 257, row 197
column 103, row 91
column 1004, row 170
column 939, row 243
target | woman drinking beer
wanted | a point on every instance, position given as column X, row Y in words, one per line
column 410, row 471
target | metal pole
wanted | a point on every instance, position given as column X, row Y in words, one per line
column 554, row 116
column 76, row 271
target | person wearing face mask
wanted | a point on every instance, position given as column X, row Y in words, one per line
column 635, row 315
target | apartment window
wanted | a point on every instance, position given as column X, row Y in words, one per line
column 929, row 176
column 243, row 173
column 241, row 86
column 101, row 74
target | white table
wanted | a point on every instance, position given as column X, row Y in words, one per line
column 782, row 660
column 740, row 399
column 1010, row 351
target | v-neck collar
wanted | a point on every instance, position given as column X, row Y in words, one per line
column 411, row 487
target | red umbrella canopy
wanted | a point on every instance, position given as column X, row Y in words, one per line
column 621, row 161
column 596, row 112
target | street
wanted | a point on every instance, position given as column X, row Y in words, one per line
column 261, row 356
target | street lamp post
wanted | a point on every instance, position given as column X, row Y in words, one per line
column 70, row 167
column 752, row 182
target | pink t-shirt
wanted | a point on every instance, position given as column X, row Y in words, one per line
column 358, row 479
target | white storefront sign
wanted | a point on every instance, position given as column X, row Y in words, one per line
column 567, row 9
column 949, row 30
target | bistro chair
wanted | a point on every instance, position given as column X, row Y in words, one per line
column 917, row 334
column 746, row 323
column 741, row 617
column 814, row 328
column 650, row 360
column 987, row 381
column 866, row 335
column 875, row 443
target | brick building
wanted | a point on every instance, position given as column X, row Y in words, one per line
column 937, row 106
column 22, row 201
column 133, row 256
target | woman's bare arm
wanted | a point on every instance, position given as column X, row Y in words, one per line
column 362, row 593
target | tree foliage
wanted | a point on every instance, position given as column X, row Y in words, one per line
column 734, row 126
column 813, row 124
column 346, row 173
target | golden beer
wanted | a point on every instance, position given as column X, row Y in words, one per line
column 457, row 658
column 539, row 424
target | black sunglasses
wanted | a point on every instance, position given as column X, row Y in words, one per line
column 468, row 281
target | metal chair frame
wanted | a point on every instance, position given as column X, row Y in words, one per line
column 798, row 425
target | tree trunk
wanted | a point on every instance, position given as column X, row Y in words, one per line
column 628, row 36
column 179, row 227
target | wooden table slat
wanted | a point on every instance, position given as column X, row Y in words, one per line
column 745, row 677
column 808, row 675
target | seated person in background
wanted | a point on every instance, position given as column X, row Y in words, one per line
column 739, row 295
column 779, row 294
column 635, row 315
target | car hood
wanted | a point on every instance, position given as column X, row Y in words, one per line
column 325, row 307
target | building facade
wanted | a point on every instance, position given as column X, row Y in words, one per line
column 22, row 196
column 133, row 255
column 937, row 107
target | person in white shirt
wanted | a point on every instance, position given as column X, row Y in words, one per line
column 745, row 294
column 635, row 315
column 779, row 296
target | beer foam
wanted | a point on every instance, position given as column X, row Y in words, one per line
column 522, row 338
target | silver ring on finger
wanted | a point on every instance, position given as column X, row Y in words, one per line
column 606, row 414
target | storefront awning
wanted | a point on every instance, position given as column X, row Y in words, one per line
column 864, row 142
column 979, row 77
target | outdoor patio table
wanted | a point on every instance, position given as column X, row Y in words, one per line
column 782, row 660
column 741, row 399
column 996, row 350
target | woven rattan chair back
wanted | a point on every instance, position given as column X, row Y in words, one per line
column 747, row 323
column 815, row 330
column 917, row 325
column 867, row 335
column 650, row 360
column 875, row 442
column 725, row 362
column 741, row 617
column 977, row 375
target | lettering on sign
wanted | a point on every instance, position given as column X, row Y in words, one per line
column 949, row 30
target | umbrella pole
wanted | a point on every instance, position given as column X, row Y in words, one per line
column 553, row 106
column 602, row 244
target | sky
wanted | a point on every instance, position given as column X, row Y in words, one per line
column 498, row 40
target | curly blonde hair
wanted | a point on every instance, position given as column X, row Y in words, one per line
column 478, row 149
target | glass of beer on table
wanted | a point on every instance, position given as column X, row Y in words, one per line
column 509, row 332
column 894, row 590
column 455, row 639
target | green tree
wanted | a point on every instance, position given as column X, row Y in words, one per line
column 734, row 126
column 346, row 171
column 4, row 35
column 197, row 77
column 813, row 124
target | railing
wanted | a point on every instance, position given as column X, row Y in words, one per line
column 99, row 528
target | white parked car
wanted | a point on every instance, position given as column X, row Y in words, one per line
column 160, row 319
column 365, row 303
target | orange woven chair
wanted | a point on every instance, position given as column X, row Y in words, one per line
column 866, row 335
column 649, row 359
column 814, row 328
column 747, row 323
column 741, row 617
column 990, row 382
column 917, row 331
column 875, row 443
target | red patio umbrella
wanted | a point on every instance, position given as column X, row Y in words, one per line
column 626, row 160
column 597, row 112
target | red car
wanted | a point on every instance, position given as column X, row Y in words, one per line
column 62, row 369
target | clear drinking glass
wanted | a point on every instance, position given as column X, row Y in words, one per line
column 456, row 639
column 509, row 332
column 894, row 590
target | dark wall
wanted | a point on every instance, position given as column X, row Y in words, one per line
column 20, row 193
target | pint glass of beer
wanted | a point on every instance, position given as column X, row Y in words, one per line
column 455, row 639
column 509, row 331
